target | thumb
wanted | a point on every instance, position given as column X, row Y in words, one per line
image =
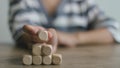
column 54, row 40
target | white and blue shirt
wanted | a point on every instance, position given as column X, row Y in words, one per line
column 71, row 15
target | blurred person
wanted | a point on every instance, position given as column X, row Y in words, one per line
column 68, row 22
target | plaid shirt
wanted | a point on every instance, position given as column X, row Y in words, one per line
column 71, row 15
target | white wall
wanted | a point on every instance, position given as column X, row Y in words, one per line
column 4, row 32
column 111, row 8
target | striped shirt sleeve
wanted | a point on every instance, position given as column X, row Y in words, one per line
column 98, row 19
column 23, row 12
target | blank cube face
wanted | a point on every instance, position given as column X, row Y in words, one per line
column 27, row 59
column 43, row 35
column 46, row 50
column 37, row 60
column 56, row 58
column 36, row 50
column 47, row 60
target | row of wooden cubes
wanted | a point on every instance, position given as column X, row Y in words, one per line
column 42, row 54
column 46, row 60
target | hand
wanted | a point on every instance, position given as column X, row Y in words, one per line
column 67, row 39
column 32, row 33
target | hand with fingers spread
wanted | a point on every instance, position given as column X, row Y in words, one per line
column 31, row 36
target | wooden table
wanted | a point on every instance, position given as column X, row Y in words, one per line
column 92, row 56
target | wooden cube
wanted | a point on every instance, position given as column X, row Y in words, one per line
column 27, row 59
column 47, row 60
column 46, row 49
column 37, row 60
column 36, row 49
column 56, row 59
column 43, row 35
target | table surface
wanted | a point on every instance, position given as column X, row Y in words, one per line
column 90, row 56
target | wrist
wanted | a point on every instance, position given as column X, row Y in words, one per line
column 81, row 38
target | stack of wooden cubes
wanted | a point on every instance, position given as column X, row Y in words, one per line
column 42, row 53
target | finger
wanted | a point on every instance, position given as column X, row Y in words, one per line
column 32, row 29
column 29, row 29
column 53, row 40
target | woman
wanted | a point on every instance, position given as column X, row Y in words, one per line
column 69, row 22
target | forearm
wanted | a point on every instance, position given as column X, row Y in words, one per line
column 99, row 36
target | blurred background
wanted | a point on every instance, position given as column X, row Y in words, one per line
column 111, row 8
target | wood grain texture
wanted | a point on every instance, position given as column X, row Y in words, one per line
column 46, row 49
column 87, row 56
column 47, row 60
column 27, row 59
column 56, row 59
column 36, row 49
column 37, row 60
column 43, row 35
